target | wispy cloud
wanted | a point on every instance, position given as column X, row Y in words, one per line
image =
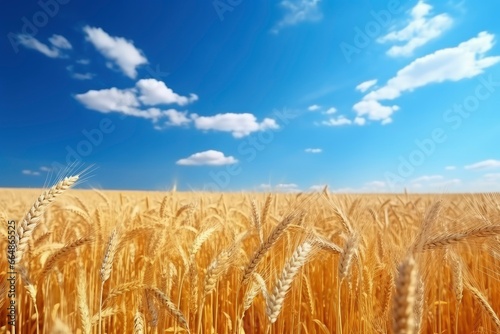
column 485, row 164
column 427, row 178
column 314, row 107
column 118, row 50
column 30, row 172
column 451, row 64
column 59, row 43
column 337, row 121
column 364, row 86
column 331, row 111
column 313, row 150
column 207, row 158
column 297, row 11
column 421, row 29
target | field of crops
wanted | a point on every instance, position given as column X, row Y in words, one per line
column 87, row 261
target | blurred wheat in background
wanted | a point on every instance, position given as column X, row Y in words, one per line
column 150, row 262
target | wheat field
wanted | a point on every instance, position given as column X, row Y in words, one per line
column 89, row 261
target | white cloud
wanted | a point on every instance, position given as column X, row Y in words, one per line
column 421, row 29
column 116, row 49
column 376, row 184
column 374, row 110
column 450, row 167
column 177, row 118
column 30, row 172
column 360, row 121
column 451, row 64
column 153, row 92
column 486, row 164
column 364, row 86
column 331, row 111
column 83, row 61
column 287, row 187
column 313, row 107
column 341, row 120
column 446, row 183
column 313, row 150
column 128, row 102
column 45, row 169
column 427, row 178
column 281, row 187
column 207, row 158
column 108, row 100
column 58, row 42
column 297, row 11
column 240, row 125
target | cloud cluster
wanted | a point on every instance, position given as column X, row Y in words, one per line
column 146, row 98
column 464, row 61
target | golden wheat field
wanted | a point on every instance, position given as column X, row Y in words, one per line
column 88, row 261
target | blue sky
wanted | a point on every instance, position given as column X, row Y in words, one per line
column 230, row 95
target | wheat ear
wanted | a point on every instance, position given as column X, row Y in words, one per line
column 257, row 221
column 62, row 253
column 171, row 308
column 107, row 266
column 347, row 256
column 275, row 301
column 404, row 298
column 138, row 323
column 453, row 238
column 83, row 308
column 264, row 247
column 30, row 221
column 485, row 305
